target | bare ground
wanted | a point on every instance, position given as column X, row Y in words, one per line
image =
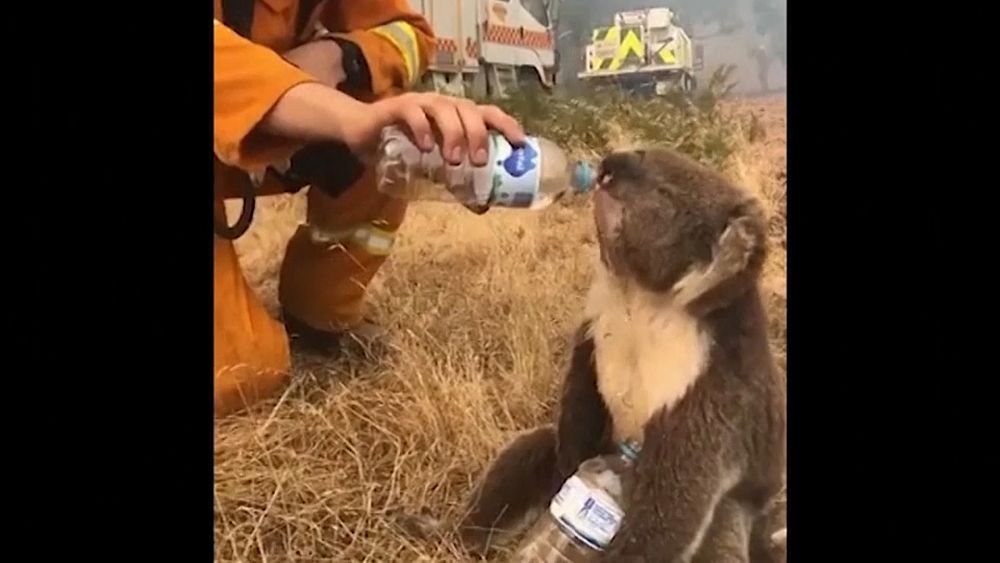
column 479, row 310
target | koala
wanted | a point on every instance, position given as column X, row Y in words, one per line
column 672, row 353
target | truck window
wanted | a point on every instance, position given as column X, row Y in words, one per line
column 538, row 10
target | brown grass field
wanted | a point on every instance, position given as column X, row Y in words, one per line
column 479, row 311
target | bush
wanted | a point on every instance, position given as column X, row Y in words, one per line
column 595, row 121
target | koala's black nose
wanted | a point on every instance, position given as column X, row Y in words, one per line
column 624, row 165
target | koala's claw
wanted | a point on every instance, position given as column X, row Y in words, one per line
column 779, row 538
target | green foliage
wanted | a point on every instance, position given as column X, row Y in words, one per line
column 595, row 120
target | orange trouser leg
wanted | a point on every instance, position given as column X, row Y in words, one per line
column 331, row 260
column 251, row 348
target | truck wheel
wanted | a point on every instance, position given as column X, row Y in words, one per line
column 492, row 88
column 688, row 83
column 475, row 84
column 528, row 79
column 426, row 83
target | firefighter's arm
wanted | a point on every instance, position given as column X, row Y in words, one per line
column 396, row 42
column 248, row 81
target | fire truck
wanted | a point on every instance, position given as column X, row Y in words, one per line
column 643, row 49
column 488, row 47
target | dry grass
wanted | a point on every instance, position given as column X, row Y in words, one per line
column 479, row 310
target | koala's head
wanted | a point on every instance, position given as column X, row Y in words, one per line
column 661, row 216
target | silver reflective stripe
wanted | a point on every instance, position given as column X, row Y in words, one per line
column 258, row 176
column 404, row 38
column 375, row 241
column 320, row 31
column 282, row 167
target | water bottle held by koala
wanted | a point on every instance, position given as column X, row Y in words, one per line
column 585, row 514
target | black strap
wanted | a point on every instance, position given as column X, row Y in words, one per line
column 238, row 16
column 328, row 166
column 306, row 8
column 249, row 196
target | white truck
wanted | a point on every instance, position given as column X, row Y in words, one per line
column 643, row 48
column 487, row 47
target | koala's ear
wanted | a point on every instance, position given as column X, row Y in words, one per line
column 743, row 240
column 737, row 258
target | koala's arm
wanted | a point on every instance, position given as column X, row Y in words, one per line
column 522, row 477
column 736, row 262
column 583, row 417
column 686, row 466
column 529, row 470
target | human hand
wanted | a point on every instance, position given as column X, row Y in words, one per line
column 323, row 59
column 459, row 125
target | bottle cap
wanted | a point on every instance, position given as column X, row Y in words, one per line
column 630, row 449
column 583, row 178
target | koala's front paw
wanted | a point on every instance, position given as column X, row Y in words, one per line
column 779, row 538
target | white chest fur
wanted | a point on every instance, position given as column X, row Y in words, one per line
column 648, row 352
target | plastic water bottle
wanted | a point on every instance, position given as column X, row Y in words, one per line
column 531, row 176
column 584, row 515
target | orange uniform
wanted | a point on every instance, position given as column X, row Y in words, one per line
column 330, row 260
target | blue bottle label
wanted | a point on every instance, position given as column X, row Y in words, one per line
column 589, row 514
column 516, row 171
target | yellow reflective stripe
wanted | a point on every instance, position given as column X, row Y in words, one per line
column 375, row 241
column 667, row 55
column 630, row 50
column 378, row 242
column 404, row 38
column 605, row 39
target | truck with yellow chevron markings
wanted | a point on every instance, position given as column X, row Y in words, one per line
column 643, row 49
